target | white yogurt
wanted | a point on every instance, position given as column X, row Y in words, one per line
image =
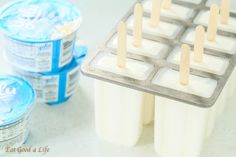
column 222, row 43
column 134, row 69
column 119, row 110
column 181, row 127
column 175, row 12
column 211, row 64
column 165, row 29
column 199, row 86
column 149, row 48
column 118, row 113
column 203, row 16
column 218, row 2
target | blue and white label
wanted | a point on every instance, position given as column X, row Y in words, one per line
column 12, row 131
column 32, row 57
column 46, row 87
column 72, row 80
column 67, row 46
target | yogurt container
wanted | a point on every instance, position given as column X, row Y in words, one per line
column 39, row 35
column 56, row 88
column 17, row 99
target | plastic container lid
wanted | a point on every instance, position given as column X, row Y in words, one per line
column 53, row 19
column 16, row 99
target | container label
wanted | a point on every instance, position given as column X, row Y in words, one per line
column 35, row 57
column 50, row 88
column 17, row 141
column 72, row 80
column 67, row 45
column 46, row 87
column 14, row 130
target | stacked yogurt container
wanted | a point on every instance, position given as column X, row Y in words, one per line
column 40, row 38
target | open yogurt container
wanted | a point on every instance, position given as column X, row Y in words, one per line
column 39, row 35
column 17, row 99
column 56, row 88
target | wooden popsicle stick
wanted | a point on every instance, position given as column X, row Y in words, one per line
column 138, row 24
column 224, row 12
column 184, row 64
column 122, row 45
column 213, row 23
column 156, row 12
column 167, row 4
column 199, row 44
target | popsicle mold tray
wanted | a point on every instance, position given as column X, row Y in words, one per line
column 150, row 62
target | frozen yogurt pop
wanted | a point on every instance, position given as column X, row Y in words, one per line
column 225, row 23
column 190, row 83
column 204, row 62
column 213, row 41
column 154, row 25
column 170, row 10
column 136, row 44
column 119, row 110
column 180, row 127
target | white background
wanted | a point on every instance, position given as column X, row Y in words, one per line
column 68, row 129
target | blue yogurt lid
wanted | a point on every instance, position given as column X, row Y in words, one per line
column 16, row 99
column 39, row 20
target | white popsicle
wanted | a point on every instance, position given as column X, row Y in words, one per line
column 148, row 99
column 207, row 63
column 223, row 43
column 173, row 11
column 163, row 29
column 199, row 60
column 230, row 27
column 180, row 127
column 153, row 25
column 211, row 64
column 118, row 113
column 119, row 110
column 219, row 2
column 149, row 48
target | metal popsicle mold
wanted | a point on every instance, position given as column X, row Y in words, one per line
column 89, row 66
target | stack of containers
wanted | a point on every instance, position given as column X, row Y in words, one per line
column 40, row 39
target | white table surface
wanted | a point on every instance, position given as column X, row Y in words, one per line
column 68, row 129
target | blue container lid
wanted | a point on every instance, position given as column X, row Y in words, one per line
column 39, row 20
column 16, row 99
